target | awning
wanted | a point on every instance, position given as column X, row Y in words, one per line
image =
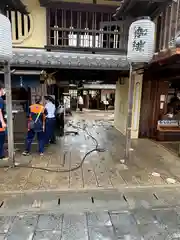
column 40, row 58
column 165, row 64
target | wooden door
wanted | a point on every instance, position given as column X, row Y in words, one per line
column 152, row 106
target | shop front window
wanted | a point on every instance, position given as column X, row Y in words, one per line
column 73, row 92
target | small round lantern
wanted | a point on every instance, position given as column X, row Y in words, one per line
column 141, row 42
column 6, row 52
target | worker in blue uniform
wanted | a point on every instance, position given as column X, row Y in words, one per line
column 60, row 118
column 2, row 123
column 50, row 120
column 36, row 125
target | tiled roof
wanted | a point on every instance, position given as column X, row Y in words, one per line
column 43, row 59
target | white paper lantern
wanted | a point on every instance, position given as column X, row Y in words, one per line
column 141, row 42
column 5, row 39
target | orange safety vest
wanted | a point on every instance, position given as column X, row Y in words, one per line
column 36, row 109
column 2, row 129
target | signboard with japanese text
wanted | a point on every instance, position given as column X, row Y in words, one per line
column 172, row 123
column 141, row 42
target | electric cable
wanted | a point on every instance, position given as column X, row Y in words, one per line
column 63, row 170
column 96, row 149
column 84, row 129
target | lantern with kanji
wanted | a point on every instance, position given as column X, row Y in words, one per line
column 5, row 39
column 141, row 42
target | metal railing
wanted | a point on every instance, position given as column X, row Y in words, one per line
column 85, row 38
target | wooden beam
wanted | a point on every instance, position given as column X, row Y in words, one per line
column 160, row 9
column 48, row 26
column 170, row 23
column 165, row 29
column 165, row 54
column 7, row 80
column 121, row 10
column 177, row 16
column 81, row 7
column 130, row 5
column 161, row 32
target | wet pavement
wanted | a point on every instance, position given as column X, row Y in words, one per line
column 93, row 226
column 107, row 215
column 174, row 147
column 150, row 164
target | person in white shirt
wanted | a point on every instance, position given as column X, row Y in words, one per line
column 80, row 103
column 67, row 105
column 50, row 120
column 106, row 104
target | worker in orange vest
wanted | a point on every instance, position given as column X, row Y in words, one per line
column 2, row 123
column 36, row 125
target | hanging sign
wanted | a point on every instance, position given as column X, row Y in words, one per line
column 141, row 42
column 6, row 52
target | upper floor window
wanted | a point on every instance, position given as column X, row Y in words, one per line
column 64, row 18
column 73, row 92
column 70, row 28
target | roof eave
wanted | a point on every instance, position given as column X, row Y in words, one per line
column 14, row 5
column 120, row 9
column 126, row 4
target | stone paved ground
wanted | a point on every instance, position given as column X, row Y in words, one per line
column 93, row 226
column 105, row 215
column 150, row 164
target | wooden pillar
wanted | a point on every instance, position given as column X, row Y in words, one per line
column 145, row 106
column 7, row 80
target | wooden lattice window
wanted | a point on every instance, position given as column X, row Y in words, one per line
column 21, row 25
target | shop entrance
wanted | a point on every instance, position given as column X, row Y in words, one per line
column 21, row 98
column 160, row 113
column 168, row 126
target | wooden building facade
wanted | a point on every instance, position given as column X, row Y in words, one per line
column 161, row 79
column 85, row 27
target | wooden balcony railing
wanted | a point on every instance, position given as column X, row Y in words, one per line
column 168, row 26
column 94, row 40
